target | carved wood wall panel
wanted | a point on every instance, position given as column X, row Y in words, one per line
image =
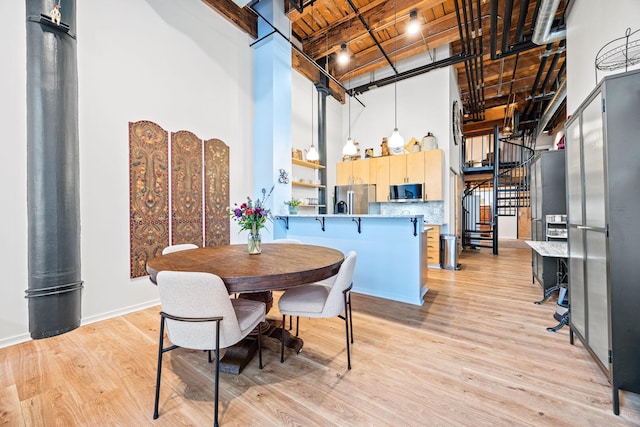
column 186, row 188
column 148, row 193
column 149, row 179
column 216, row 164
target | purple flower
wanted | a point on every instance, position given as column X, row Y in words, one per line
column 237, row 213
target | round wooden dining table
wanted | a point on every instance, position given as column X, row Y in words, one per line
column 278, row 267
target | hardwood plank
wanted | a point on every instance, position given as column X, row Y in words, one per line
column 476, row 353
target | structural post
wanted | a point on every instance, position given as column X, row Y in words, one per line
column 55, row 287
column 272, row 99
column 323, row 91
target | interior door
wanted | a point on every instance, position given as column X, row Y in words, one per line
column 524, row 223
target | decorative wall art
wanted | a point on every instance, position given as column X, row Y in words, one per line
column 154, row 187
column 148, row 193
column 186, row 188
column 216, row 181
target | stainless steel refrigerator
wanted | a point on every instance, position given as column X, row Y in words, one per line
column 354, row 199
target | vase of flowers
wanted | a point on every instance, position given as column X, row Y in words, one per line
column 252, row 216
column 254, row 241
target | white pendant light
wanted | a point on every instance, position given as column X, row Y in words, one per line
column 312, row 154
column 395, row 140
column 350, row 148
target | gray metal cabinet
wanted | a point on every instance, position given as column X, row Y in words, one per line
column 548, row 197
column 603, row 173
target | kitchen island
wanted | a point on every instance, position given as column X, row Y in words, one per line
column 392, row 250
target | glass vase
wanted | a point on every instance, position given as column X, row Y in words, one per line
column 254, row 242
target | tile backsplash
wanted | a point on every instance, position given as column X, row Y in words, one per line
column 433, row 211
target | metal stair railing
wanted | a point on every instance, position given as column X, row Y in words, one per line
column 501, row 194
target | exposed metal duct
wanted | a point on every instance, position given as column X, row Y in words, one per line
column 554, row 104
column 53, row 170
column 542, row 33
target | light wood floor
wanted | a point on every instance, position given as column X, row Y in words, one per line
column 477, row 353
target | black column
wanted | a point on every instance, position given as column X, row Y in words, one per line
column 323, row 91
column 54, row 292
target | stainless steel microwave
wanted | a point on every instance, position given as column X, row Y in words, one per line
column 406, row 193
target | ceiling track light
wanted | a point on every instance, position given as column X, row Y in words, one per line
column 343, row 55
column 414, row 24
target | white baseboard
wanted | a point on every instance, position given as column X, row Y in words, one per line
column 119, row 312
column 7, row 342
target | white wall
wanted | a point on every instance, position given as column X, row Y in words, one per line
column 180, row 65
column 13, row 178
column 159, row 63
column 423, row 106
column 507, row 227
column 590, row 25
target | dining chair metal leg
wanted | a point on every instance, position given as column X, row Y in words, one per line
column 284, row 318
column 259, row 349
column 159, row 371
column 346, row 326
column 350, row 315
column 297, row 324
column 217, row 377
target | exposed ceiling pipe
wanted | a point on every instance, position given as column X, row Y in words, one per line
column 554, row 104
column 447, row 62
column 542, row 33
column 506, row 25
column 522, row 17
column 373, row 36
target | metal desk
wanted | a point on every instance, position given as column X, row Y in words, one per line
column 559, row 251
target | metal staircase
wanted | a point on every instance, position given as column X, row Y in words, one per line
column 496, row 186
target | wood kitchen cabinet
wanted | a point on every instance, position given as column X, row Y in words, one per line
column 406, row 169
column 414, row 168
column 433, row 245
column 360, row 171
column 433, row 165
column 379, row 166
column 353, row 172
column 344, row 170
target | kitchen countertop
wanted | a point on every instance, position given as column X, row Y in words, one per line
column 350, row 216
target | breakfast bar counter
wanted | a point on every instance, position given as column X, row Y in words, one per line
column 392, row 250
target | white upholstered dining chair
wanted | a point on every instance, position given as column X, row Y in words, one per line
column 323, row 300
column 180, row 247
column 199, row 315
column 294, row 242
